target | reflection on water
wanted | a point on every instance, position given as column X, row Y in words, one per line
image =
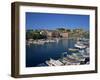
column 37, row 54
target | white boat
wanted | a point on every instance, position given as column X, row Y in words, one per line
column 53, row 62
column 77, row 57
column 38, row 42
column 84, row 53
column 73, row 49
column 80, row 46
column 70, row 61
column 52, row 41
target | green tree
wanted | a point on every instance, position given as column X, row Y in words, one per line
column 34, row 34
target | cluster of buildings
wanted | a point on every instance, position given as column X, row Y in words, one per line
column 50, row 36
column 53, row 33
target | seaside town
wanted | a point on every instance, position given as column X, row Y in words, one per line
column 79, row 54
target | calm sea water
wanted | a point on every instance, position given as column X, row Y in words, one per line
column 37, row 54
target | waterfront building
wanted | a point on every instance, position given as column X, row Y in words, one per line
column 54, row 33
column 64, row 34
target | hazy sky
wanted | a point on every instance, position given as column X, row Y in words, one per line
column 53, row 21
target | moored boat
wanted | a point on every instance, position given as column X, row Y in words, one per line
column 80, row 46
column 53, row 62
column 73, row 49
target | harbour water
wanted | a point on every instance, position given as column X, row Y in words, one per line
column 37, row 54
